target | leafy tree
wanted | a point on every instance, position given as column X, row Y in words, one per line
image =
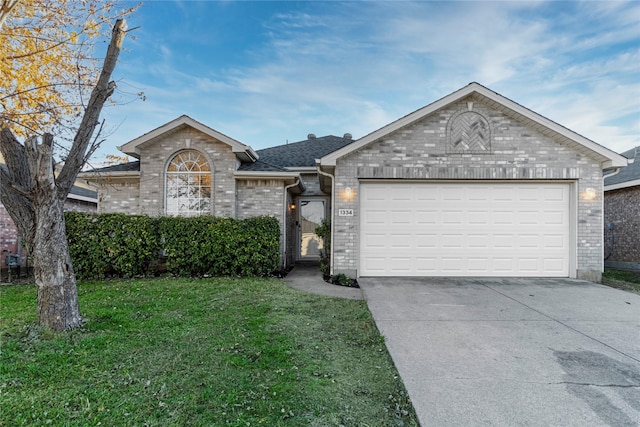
column 49, row 84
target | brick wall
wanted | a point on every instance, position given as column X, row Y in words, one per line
column 622, row 238
column 75, row 205
column 419, row 151
column 8, row 235
column 155, row 157
column 256, row 197
column 119, row 196
column 311, row 184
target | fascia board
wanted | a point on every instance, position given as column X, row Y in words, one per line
column 82, row 198
column 237, row 147
column 269, row 175
column 302, row 169
column 96, row 176
column 621, row 185
column 613, row 159
column 330, row 160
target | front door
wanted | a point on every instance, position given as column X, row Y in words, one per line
column 312, row 212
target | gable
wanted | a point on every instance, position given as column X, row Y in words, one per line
column 472, row 94
column 134, row 147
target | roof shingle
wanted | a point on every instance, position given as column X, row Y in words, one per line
column 627, row 173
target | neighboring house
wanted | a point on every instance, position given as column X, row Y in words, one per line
column 622, row 215
column 79, row 199
column 473, row 184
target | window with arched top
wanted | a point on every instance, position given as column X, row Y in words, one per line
column 188, row 185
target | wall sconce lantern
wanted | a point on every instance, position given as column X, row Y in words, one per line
column 348, row 193
column 590, row 194
column 292, row 206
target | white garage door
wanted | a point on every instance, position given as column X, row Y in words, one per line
column 464, row 229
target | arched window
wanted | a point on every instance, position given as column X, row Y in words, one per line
column 188, row 185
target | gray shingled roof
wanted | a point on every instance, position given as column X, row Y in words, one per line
column 260, row 166
column 302, row 153
column 627, row 173
column 84, row 192
column 274, row 159
column 123, row 167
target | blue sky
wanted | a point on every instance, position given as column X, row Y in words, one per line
column 265, row 73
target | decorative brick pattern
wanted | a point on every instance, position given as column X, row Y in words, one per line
column 419, row 152
column 469, row 132
column 622, row 227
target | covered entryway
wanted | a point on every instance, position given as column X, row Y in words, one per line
column 481, row 228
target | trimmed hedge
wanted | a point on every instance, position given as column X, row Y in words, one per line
column 121, row 245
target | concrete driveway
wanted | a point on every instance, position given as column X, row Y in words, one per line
column 512, row 352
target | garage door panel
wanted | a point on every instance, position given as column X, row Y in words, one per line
column 464, row 229
column 427, row 217
column 399, row 217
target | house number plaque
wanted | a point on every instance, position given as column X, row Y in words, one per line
column 345, row 212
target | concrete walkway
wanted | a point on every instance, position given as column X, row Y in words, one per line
column 306, row 276
column 512, row 352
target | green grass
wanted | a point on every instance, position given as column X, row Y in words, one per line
column 214, row 352
column 622, row 279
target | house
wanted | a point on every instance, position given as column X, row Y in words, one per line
column 473, row 184
column 622, row 215
column 81, row 198
column 187, row 168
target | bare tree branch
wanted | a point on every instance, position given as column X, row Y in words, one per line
column 102, row 91
column 5, row 9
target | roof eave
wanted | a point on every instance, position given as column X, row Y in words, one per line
column 611, row 158
column 97, row 176
column 265, row 174
column 243, row 151
column 621, row 185
column 82, row 198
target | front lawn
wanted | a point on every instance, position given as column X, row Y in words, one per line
column 211, row 352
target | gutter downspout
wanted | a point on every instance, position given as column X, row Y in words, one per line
column 333, row 223
column 615, row 172
column 284, row 223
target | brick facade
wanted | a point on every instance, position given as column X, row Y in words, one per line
column 9, row 239
column 8, row 235
column 119, row 195
column 419, row 151
column 155, row 156
column 622, row 227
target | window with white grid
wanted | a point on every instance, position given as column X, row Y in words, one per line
column 188, row 185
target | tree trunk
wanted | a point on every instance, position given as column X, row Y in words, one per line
column 34, row 198
column 57, row 292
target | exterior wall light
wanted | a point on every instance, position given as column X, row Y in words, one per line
column 348, row 193
column 590, row 194
column 292, row 206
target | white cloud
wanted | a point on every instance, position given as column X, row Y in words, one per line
column 357, row 66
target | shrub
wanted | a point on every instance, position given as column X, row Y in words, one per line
column 111, row 244
column 324, row 232
column 125, row 246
